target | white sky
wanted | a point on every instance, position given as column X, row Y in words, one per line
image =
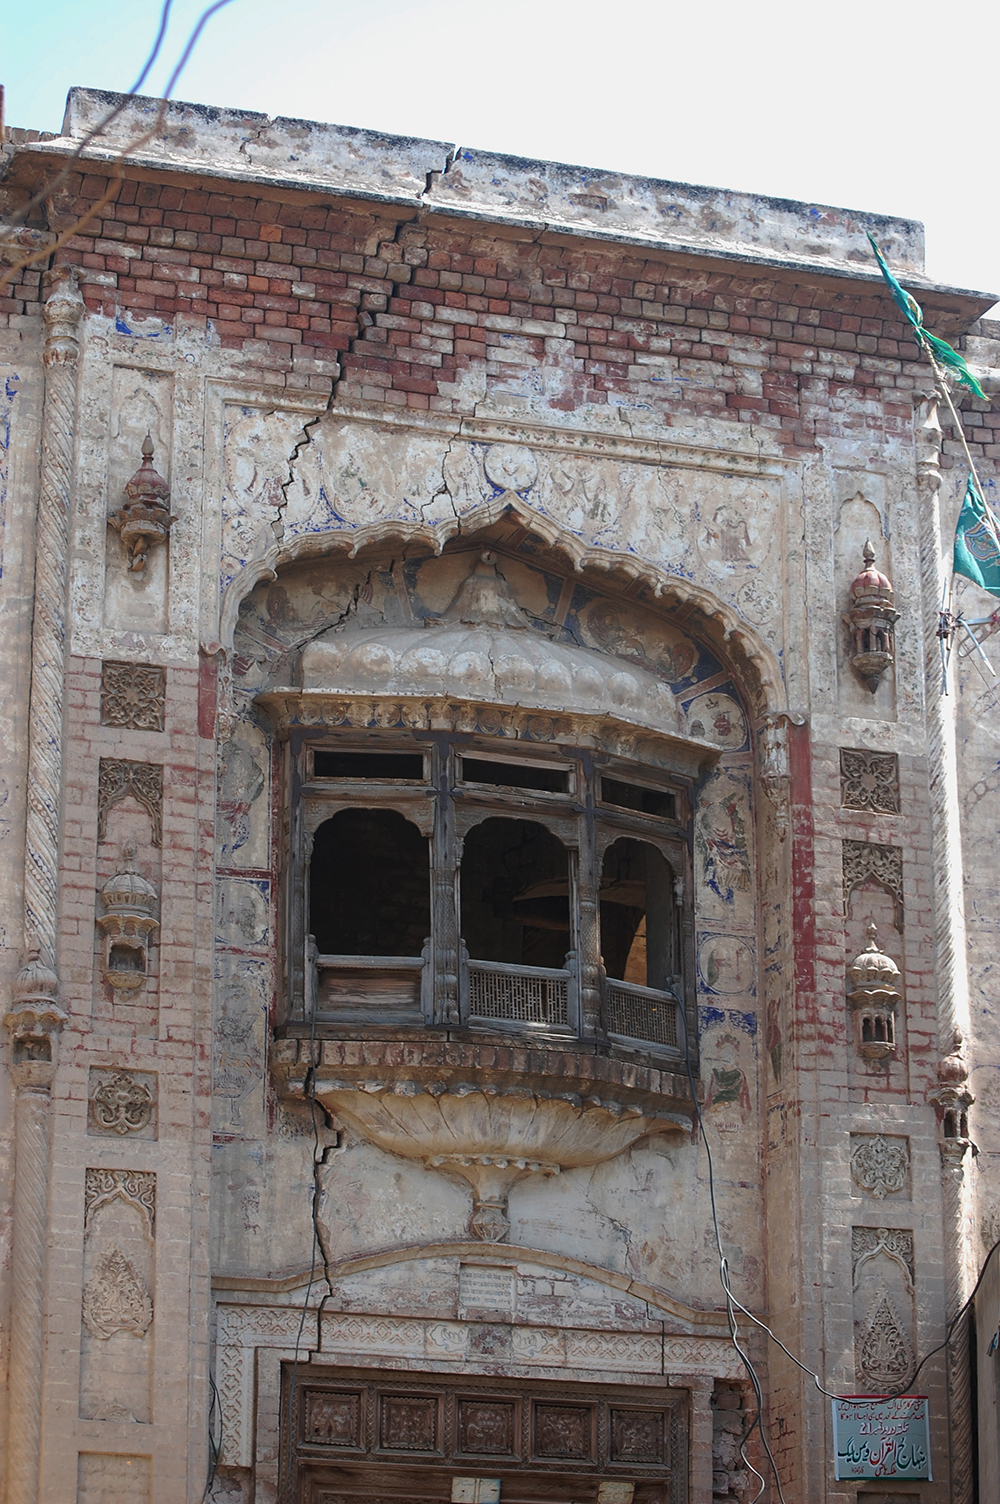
column 862, row 104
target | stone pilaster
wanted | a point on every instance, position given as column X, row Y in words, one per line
column 62, row 309
column 34, row 1021
column 949, row 939
column 35, row 1017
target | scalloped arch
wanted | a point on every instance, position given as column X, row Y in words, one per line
column 761, row 671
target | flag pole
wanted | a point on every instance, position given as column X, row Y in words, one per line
column 946, row 394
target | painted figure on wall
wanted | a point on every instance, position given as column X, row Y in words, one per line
column 722, row 837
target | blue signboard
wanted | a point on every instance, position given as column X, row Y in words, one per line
column 882, row 1438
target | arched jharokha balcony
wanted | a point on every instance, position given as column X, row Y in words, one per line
column 550, row 896
column 489, row 830
column 488, row 868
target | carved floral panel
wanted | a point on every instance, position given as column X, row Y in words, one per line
column 133, row 696
column 564, row 1431
column 866, row 861
column 880, row 1164
column 869, row 781
column 120, row 779
column 122, row 1102
column 333, row 1419
column 486, row 1427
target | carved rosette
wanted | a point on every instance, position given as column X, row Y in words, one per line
column 869, row 781
column 121, row 1104
column 133, row 696
column 881, row 1166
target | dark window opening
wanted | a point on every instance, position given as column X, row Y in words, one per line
column 634, row 796
column 370, row 765
column 515, row 894
column 126, row 958
column 515, row 775
column 369, row 885
column 639, row 924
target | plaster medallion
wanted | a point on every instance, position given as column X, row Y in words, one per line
column 881, row 1165
column 121, row 1104
column 512, row 467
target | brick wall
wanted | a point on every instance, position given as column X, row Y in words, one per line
column 429, row 317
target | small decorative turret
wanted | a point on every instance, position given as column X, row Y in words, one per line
column 953, row 1098
column 873, row 998
column 871, row 620
column 127, row 924
column 144, row 517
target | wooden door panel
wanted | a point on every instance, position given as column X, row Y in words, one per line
column 400, row 1485
column 371, row 1437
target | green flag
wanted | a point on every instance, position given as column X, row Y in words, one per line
column 977, row 549
column 938, row 348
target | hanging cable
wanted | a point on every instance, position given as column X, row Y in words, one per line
column 733, row 1305
column 214, row 1446
column 731, row 1302
column 284, row 1492
column 43, row 253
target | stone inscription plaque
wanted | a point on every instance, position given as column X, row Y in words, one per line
column 486, row 1288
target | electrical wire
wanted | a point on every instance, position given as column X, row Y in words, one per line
column 284, row 1491
column 731, row 1302
column 214, row 1447
column 733, row 1305
column 43, row 253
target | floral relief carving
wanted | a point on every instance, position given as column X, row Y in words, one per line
column 866, row 860
column 869, row 781
column 896, row 1244
column 143, row 781
column 884, row 1357
column 133, row 696
column 121, row 1104
column 115, row 1299
column 880, row 1165
column 137, row 1187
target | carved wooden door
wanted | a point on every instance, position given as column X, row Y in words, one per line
column 369, row 1438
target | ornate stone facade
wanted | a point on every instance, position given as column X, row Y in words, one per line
column 516, row 790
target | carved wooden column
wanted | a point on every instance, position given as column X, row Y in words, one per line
column 444, row 915
column 589, row 939
column 34, row 1021
column 949, row 939
column 62, row 310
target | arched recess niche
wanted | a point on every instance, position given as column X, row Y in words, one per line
column 724, row 681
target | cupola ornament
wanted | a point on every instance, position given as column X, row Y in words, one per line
column 871, row 620
column 127, row 924
column 143, row 519
column 953, row 1098
column 873, row 998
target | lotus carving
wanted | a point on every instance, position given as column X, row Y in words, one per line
column 490, row 1138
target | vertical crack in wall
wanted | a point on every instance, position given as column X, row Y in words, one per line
column 434, row 173
column 249, row 141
